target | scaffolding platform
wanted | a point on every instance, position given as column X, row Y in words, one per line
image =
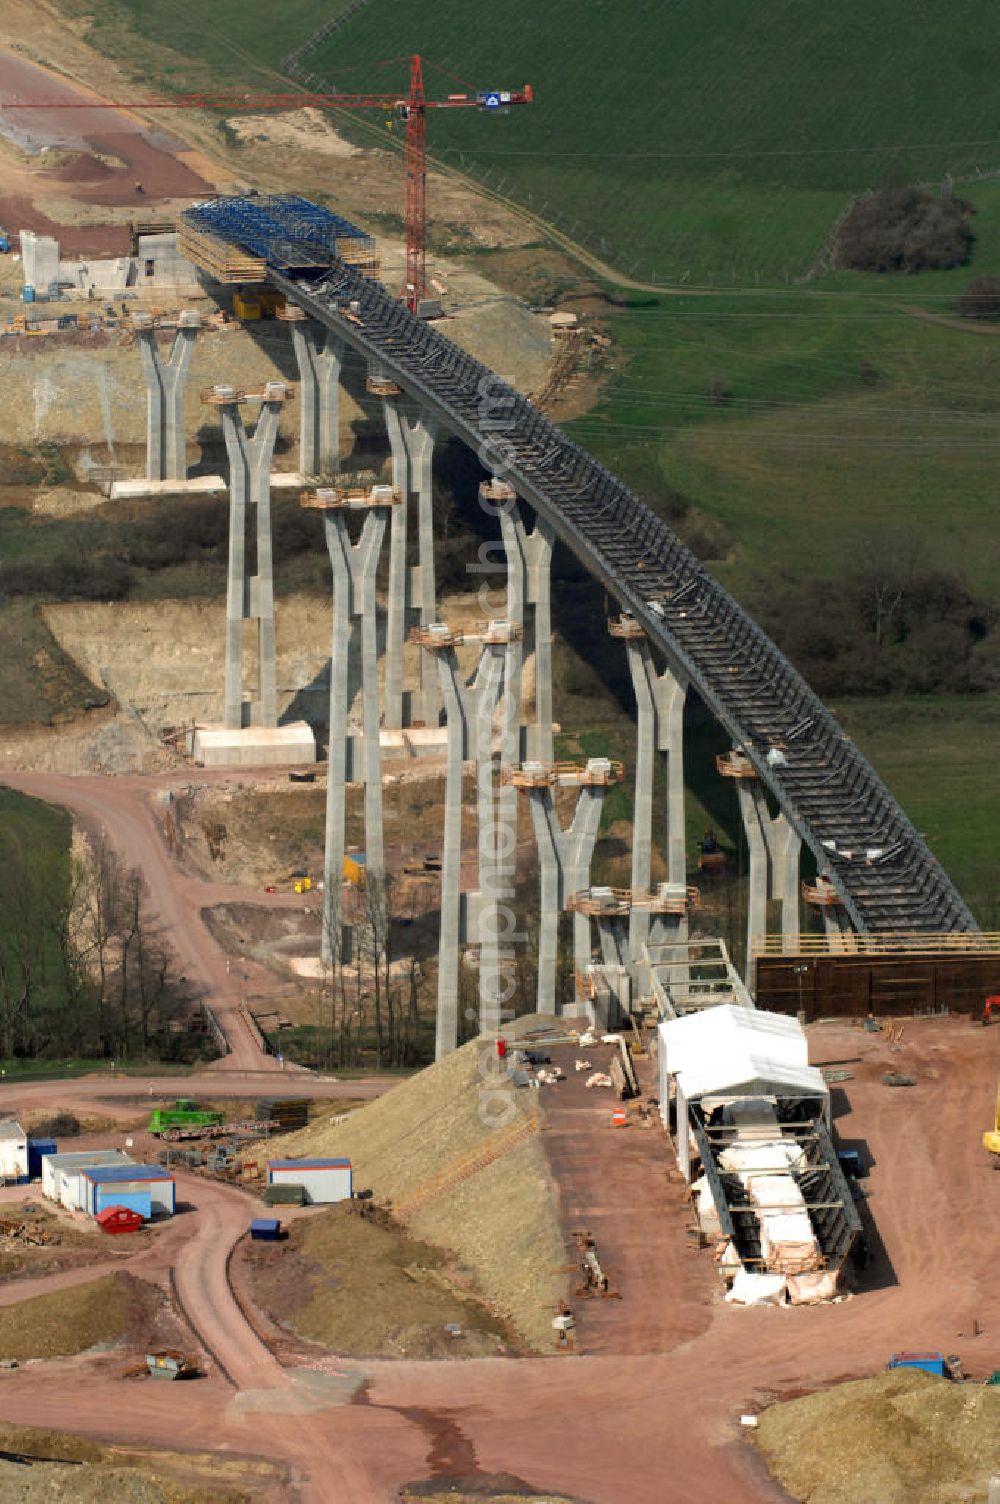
column 598, row 772
column 350, row 498
column 229, row 396
column 605, row 903
column 735, row 765
column 626, row 626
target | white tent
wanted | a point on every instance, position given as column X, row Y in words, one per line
column 725, row 1032
column 726, row 1054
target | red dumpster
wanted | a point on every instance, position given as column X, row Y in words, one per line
column 119, row 1219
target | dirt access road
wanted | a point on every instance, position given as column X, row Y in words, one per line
column 122, row 810
column 658, row 1421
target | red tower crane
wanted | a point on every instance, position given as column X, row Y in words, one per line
column 411, row 108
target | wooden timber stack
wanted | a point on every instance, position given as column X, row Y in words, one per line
column 226, row 263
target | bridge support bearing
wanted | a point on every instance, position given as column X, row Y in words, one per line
column 250, row 597
column 354, row 570
column 564, row 859
column 319, row 355
column 411, row 443
column 166, row 448
column 451, row 934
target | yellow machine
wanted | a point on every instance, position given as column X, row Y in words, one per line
column 991, row 1138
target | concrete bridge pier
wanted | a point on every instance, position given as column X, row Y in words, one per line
column 774, row 846
column 250, row 596
column 452, row 930
column 354, row 569
column 536, row 551
column 659, row 727
column 410, row 591
column 319, row 355
column 510, row 711
column 166, row 378
column 485, row 902
column 564, row 859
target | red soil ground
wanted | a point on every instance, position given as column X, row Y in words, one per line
column 147, row 155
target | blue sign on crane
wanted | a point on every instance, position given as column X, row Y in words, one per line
column 491, row 101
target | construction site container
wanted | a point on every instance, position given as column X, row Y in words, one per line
column 114, row 1182
column 135, row 1199
column 37, row 1149
column 118, row 1218
column 324, row 1181
column 265, row 1229
column 59, row 1168
column 930, row 1362
column 13, row 1152
column 245, row 308
column 284, row 1195
column 27, row 293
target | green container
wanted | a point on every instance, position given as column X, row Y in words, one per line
column 284, row 1195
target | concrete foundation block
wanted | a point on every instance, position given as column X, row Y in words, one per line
column 253, row 746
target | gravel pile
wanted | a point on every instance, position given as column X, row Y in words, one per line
column 902, row 1436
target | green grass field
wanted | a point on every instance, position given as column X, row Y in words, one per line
column 711, row 144
column 843, row 421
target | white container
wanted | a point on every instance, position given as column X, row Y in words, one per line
column 324, row 1180
column 13, row 1151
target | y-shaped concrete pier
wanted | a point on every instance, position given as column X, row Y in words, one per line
column 319, row 355
column 536, row 550
column 354, row 569
column 480, row 916
column 491, row 887
column 250, row 734
column 166, row 452
column 659, row 727
column 411, row 443
column 774, row 846
column 564, row 858
column 250, row 593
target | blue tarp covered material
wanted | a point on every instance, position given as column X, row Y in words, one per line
column 267, row 1229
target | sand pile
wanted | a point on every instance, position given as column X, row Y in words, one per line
column 889, row 1440
column 65, row 1321
column 500, row 1223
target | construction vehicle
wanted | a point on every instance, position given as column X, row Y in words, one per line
column 168, row 1363
column 991, row 1009
column 991, row 1138
column 185, row 1114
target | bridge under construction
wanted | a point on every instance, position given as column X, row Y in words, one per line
column 681, row 630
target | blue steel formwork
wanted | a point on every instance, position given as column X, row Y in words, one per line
column 283, row 229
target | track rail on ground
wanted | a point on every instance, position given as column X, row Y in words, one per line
column 883, row 870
